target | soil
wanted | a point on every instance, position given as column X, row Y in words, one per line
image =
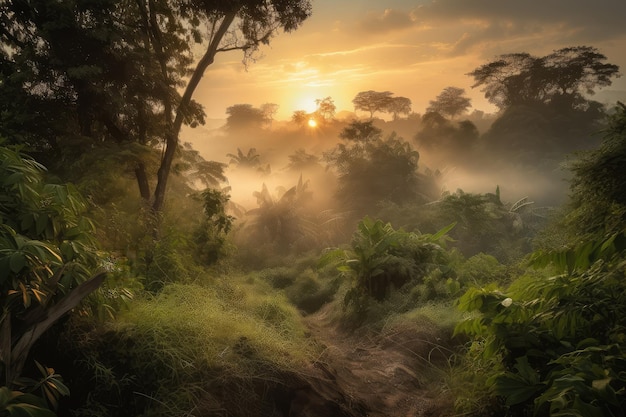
column 364, row 374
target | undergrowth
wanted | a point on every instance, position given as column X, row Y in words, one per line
column 191, row 348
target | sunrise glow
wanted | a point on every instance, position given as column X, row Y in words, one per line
column 312, row 123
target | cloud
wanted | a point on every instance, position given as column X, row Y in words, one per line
column 493, row 20
column 389, row 21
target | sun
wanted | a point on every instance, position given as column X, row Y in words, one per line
column 312, row 123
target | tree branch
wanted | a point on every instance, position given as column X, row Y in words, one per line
column 19, row 352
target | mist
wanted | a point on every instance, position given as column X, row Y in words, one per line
column 477, row 168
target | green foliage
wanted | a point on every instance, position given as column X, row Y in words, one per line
column 48, row 258
column 18, row 404
column 484, row 224
column 46, row 244
column 382, row 258
column 598, row 189
column 311, row 291
column 191, row 349
column 561, row 339
column 50, row 385
column 371, row 169
column 210, row 236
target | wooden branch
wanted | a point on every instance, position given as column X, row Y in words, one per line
column 22, row 347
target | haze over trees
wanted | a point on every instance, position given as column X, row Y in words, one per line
column 357, row 239
column 450, row 102
column 245, row 117
column 381, row 101
column 125, row 74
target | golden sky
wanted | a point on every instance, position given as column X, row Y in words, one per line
column 412, row 48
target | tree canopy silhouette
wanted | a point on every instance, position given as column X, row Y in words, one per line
column 450, row 102
column 566, row 75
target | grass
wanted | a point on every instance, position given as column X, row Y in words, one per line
column 192, row 349
column 226, row 329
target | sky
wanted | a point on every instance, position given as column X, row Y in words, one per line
column 413, row 48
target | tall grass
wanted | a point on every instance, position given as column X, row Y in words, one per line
column 191, row 347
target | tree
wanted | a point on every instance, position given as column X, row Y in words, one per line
column 439, row 133
column 371, row 169
column 360, row 132
column 598, row 189
column 567, row 73
column 284, row 220
column 301, row 160
column 126, row 70
column 382, row 258
column 300, row 117
column 372, row 101
column 269, row 110
column 252, row 159
column 450, row 102
column 244, row 116
column 398, row 106
column 325, row 108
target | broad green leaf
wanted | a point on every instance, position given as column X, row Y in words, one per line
column 17, row 262
column 515, row 389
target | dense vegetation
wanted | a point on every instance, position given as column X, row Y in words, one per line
column 123, row 297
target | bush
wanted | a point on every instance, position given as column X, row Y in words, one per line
column 560, row 339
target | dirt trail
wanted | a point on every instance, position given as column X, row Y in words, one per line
column 379, row 376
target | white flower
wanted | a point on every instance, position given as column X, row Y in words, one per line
column 507, row 302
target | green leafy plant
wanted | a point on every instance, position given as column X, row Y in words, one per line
column 561, row 339
column 19, row 404
column 48, row 263
column 382, row 258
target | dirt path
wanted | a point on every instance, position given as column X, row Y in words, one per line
column 380, row 375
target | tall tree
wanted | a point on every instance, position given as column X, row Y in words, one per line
column 398, row 106
column 300, row 117
column 566, row 75
column 372, row 101
column 124, row 70
column 269, row 110
column 450, row 102
column 371, row 169
column 244, row 116
column 325, row 108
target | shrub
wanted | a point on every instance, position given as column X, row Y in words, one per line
column 561, row 339
column 382, row 258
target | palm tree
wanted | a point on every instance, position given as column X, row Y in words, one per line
column 283, row 220
column 252, row 159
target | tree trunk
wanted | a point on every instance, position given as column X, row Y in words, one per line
column 142, row 181
column 171, row 139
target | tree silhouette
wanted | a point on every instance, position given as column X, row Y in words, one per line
column 269, row 110
column 251, row 159
column 325, row 108
column 283, row 220
column 398, row 106
column 244, row 116
column 565, row 75
column 371, row 169
column 301, row 160
column 372, row 101
column 300, row 117
column 450, row 102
